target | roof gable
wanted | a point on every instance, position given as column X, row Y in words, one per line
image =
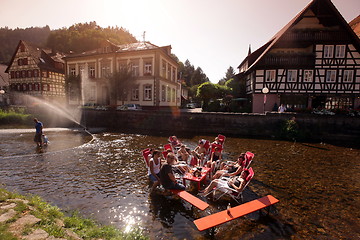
column 328, row 17
column 43, row 57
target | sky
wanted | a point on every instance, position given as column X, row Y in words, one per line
column 211, row 34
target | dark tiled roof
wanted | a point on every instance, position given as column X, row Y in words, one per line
column 44, row 58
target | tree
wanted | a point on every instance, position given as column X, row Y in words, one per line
column 121, row 84
column 230, row 73
column 206, row 92
column 198, row 77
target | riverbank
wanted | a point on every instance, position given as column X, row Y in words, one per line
column 309, row 127
column 31, row 218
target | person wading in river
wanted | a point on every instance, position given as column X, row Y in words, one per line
column 38, row 134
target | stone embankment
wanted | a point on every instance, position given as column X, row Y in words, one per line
column 24, row 225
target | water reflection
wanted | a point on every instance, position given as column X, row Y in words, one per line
column 317, row 184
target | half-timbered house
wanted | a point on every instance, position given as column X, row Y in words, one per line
column 154, row 72
column 37, row 72
column 314, row 61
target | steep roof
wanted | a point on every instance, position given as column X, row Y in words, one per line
column 44, row 58
column 4, row 78
column 355, row 25
column 319, row 5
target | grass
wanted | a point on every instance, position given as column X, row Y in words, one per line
column 50, row 217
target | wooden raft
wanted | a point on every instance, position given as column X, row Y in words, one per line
column 191, row 199
column 233, row 213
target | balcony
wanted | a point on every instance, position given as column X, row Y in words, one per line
column 288, row 61
column 315, row 36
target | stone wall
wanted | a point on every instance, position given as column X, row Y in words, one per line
column 317, row 127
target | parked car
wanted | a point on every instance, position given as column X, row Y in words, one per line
column 129, row 106
column 191, row 105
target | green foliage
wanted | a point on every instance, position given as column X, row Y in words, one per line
column 213, row 106
column 230, row 73
column 86, row 36
column 85, row 228
column 12, row 116
column 192, row 77
column 290, row 130
column 78, row 38
column 9, row 39
column 5, row 234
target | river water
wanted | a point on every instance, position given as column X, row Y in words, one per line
column 318, row 185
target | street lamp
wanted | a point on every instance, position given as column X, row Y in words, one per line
column 265, row 90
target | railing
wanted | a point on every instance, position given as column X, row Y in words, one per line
column 288, row 61
column 317, row 36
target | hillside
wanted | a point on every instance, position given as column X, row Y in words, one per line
column 77, row 38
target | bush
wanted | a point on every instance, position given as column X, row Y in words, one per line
column 14, row 117
column 290, row 130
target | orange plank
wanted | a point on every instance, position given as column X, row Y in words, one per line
column 235, row 212
column 191, row 199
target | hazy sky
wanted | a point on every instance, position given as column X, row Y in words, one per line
column 212, row 34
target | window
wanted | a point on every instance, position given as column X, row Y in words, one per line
column 168, row 94
column 148, row 68
column 134, row 69
column 24, row 87
column 163, row 70
column 328, row 51
column 308, row 76
column 147, row 92
column 17, row 73
column 36, row 73
column 12, row 74
column 92, row 72
column 30, row 87
column 29, row 73
column 20, row 62
column 270, row 76
column 163, row 93
column 348, row 76
column 23, row 73
column 330, row 76
column 36, row 87
column 173, row 95
column 122, row 66
column 44, row 73
column 291, row 75
column 340, row 51
column 72, row 71
column 173, row 76
column 135, row 93
column 105, row 69
column 168, row 72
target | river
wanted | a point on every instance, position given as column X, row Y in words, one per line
column 318, row 185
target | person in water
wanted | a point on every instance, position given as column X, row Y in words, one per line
column 38, row 133
column 167, row 177
column 45, row 140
